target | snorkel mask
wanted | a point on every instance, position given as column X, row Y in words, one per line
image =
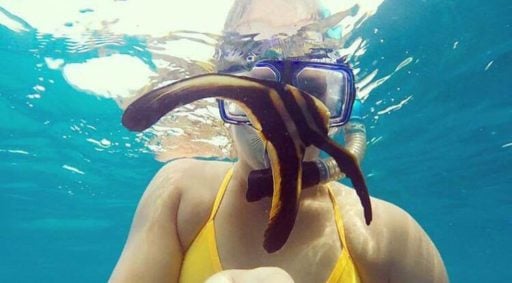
column 333, row 84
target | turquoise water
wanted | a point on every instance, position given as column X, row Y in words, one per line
column 70, row 184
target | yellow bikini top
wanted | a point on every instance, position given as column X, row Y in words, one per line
column 201, row 260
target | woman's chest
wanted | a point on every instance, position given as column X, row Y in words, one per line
column 309, row 254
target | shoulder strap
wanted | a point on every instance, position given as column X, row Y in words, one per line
column 339, row 219
column 345, row 269
column 220, row 193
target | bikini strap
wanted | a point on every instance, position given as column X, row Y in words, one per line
column 220, row 193
column 338, row 219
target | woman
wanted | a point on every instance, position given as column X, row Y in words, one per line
column 194, row 222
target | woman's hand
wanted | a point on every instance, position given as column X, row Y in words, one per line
column 257, row 275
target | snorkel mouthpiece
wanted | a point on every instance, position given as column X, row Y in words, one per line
column 287, row 120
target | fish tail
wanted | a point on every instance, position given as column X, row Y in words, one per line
column 280, row 227
column 285, row 199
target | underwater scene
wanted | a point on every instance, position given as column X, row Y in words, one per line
column 434, row 79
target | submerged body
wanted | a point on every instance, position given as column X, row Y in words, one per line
column 178, row 202
column 183, row 240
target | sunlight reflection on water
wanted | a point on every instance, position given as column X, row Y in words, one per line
column 126, row 56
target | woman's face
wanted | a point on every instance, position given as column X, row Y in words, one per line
column 266, row 18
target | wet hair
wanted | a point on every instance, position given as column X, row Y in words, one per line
column 240, row 9
column 314, row 30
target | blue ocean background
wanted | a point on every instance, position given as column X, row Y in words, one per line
column 445, row 156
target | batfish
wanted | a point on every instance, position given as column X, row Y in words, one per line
column 287, row 120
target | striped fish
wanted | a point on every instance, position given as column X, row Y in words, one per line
column 287, row 120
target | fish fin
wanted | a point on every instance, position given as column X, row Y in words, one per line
column 348, row 164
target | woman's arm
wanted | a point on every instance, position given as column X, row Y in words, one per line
column 153, row 252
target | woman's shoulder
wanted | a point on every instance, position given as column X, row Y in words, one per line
column 386, row 218
column 174, row 205
column 197, row 183
column 352, row 211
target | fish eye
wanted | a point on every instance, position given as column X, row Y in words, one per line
column 250, row 58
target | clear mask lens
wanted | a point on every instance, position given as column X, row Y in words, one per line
column 329, row 86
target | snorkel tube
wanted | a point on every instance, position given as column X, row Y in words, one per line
column 354, row 133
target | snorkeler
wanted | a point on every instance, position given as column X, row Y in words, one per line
column 198, row 218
